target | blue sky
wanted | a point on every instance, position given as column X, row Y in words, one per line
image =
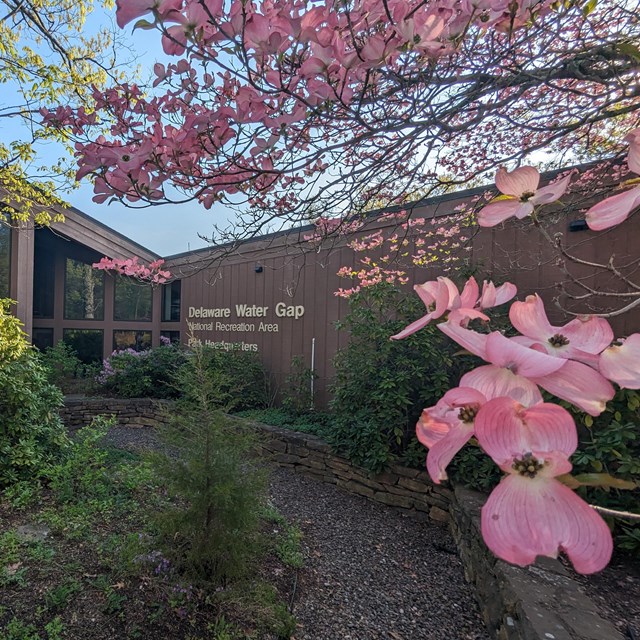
column 165, row 229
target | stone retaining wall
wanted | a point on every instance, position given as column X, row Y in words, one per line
column 542, row 602
column 140, row 412
column 408, row 490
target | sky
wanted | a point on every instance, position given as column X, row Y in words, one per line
column 165, row 229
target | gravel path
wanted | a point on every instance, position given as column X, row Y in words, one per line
column 370, row 573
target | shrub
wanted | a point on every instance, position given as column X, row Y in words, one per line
column 212, row 527
column 241, row 381
column 141, row 374
column 61, row 362
column 31, row 433
column 297, row 396
column 381, row 386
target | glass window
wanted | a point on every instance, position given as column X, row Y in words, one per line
column 133, row 300
column 171, row 301
column 5, row 259
column 172, row 336
column 131, row 339
column 44, row 279
column 42, row 338
column 83, row 292
column 88, row 343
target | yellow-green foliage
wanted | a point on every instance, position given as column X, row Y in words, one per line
column 48, row 57
column 13, row 340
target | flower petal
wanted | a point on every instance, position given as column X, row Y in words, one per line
column 506, row 430
column 431, row 427
column 633, row 159
column 495, row 382
column 493, row 296
column 427, row 292
column 530, row 318
column 580, row 385
column 470, row 293
column 413, row 327
column 443, row 451
column 472, row 341
column 525, row 518
column 590, row 334
column 552, row 191
column 517, row 182
column 497, row 212
column 622, row 363
column 448, row 297
column 435, row 422
column 613, row 210
column 505, row 292
column 526, row 362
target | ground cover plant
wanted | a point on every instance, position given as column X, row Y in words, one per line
column 93, row 550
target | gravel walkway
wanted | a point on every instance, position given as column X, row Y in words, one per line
column 370, row 573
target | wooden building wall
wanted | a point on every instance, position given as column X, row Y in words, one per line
column 295, row 274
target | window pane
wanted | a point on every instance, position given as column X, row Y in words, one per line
column 83, row 292
column 87, row 343
column 5, row 259
column 43, row 284
column 133, row 300
column 131, row 339
column 42, row 338
column 171, row 301
column 172, row 336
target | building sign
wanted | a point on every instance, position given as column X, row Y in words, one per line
column 241, row 318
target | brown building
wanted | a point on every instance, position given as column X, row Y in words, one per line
column 273, row 295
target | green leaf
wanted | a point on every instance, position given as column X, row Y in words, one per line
column 597, row 465
column 144, row 24
column 588, row 421
column 603, row 480
column 589, row 7
column 630, row 50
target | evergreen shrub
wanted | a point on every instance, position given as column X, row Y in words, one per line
column 31, row 433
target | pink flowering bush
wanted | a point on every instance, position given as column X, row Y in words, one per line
column 128, row 373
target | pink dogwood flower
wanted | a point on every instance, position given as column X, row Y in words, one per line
column 446, row 427
column 521, row 188
column 530, row 513
column 621, row 363
column 580, row 339
column 516, row 368
column 442, row 295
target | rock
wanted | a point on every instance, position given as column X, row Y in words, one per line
column 33, row 532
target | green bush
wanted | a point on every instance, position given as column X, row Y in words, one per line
column 381, row 385
column 31, row 433
column 296, row 396
column 211, row 529
column 610, row 444
column 241, row 380
column 61, row 362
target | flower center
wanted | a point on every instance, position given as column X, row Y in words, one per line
column 527, row 466
column 468, row 413
column 526, row 195
column 558, row 340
